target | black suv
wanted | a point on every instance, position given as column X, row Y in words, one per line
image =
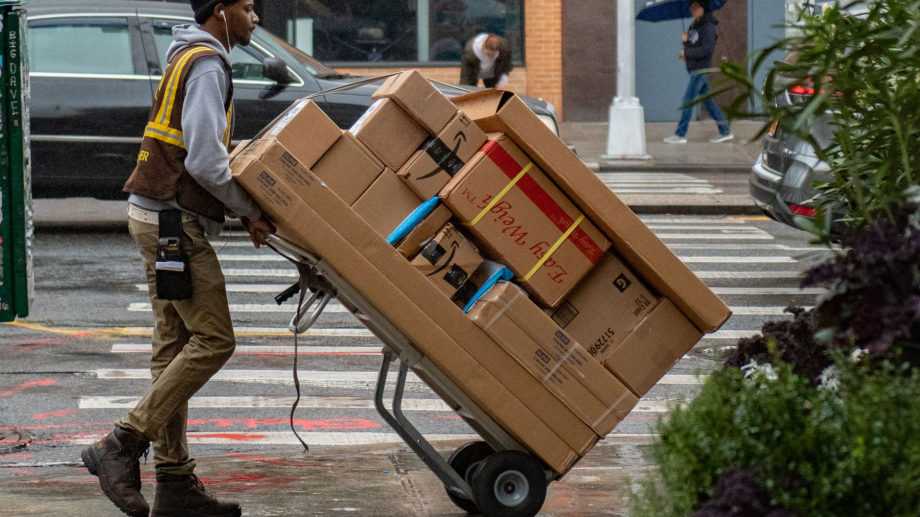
column 95, row 66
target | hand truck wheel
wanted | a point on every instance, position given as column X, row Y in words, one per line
column 509, row 484
column 465, row 460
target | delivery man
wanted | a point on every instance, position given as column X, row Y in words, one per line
column 179, row 190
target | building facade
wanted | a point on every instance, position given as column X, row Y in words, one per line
column 564, row 50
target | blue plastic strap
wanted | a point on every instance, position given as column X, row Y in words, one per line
column 414, row 219
column 501, row 274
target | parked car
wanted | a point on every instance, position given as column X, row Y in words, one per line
column 95, row 66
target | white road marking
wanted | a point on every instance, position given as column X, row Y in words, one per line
column 731, row 334
column 760, row 311
column 718, row 236
column 688, row 220
column 286, row 273
column 270, row 402
column 271, row 331
column 751, row 247
column 266, row 376
column 732, row 228
column 241, row 288
column 767, row 290
column 648, row 406
column 617, row 190
column 313, row 438
column 252, row 258
column 736, row 260
column 268, row 349
column 289, row 308
column 314, row 376
column 712, row 275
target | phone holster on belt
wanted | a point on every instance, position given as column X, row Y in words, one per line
column 174, row 277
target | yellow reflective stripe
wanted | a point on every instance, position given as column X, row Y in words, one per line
column 166, row 129
column 501, row 194
column 164, row 138
column 554, row 248
column 229, row 125
column 166, row 108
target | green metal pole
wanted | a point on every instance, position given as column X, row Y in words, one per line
column 7, row 303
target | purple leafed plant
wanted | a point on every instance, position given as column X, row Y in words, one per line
column 874, row 288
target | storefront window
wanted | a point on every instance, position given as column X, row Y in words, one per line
column 382, row 31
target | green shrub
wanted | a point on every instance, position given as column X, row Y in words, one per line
column 853, row 450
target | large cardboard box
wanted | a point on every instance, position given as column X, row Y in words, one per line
column 349, row 168
column 386, row 203
column 306, row 131
column 412, row 243
column 604, row 307
column 507, row 315
column 419, row 99
column 649, row 352
column 448, row 260
column 389, row 133
column 440, row 158
column 274, row 157
column 439, row 330
column 524, row 221
column 664, row 273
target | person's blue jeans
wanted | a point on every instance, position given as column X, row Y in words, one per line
column 699, row 85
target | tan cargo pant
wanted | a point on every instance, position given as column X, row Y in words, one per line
column 192, row 339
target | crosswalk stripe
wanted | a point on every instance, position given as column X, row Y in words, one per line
column 286, row 273
column 268, row 349
column 617, row 190
column 252, row 258
column 731, row 334
column 718, row 236
column 749, row 247
column 122, row 402
column 314, row 438
column 241, row 288
column 688, row 220
column 435, row 405
column 288, row 308
column 736, row 260
column 749, row 275
column 314, row 376
column 731, row 228
column 760, row 311
column 767, row 290
column 270, row 331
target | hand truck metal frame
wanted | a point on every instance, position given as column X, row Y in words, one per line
column 325, row 284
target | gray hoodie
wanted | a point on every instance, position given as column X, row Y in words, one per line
column 204, row 122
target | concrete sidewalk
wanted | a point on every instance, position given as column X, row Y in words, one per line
column 385, row 480
column 697, row 155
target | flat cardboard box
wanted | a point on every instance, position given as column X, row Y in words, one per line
column 386, row 203
column 419, row 99
column 518, row 216
column 448, row 260
column 373, row 265
column 440, row 158
column 239, row 148
column 506, row 307
column 274, row 157
column 306, row 131
column 349, row 168
column 604, row 307
column 664, row 273
column 412, row 243
column 389, row 133
column 649, row 352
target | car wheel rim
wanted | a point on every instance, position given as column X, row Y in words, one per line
column 511, row 488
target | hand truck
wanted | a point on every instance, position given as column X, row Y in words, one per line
column 496, row 477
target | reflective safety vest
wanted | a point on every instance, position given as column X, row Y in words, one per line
column 160, row 172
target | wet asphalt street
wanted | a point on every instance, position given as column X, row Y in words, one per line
column 79, row 362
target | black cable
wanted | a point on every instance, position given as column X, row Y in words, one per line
column 303, row 290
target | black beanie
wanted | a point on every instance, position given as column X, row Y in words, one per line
column 204, row 8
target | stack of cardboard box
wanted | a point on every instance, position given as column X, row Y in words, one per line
column 599, row 310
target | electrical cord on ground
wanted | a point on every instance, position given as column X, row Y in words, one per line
column 303, row 290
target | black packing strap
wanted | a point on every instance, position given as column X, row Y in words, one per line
column 446, row 160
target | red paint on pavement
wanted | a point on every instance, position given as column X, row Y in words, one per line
column 238, row 437
column 27, row 385
column 307, row 425
column 17, row 456
column 277, row 462
column 43, row 416
column 447, row 417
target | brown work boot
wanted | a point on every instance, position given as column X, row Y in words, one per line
column 185, row 496
column 115, row 460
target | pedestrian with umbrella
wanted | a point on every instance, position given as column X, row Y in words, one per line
column 699, row 46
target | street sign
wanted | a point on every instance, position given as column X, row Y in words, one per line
column 17, row 288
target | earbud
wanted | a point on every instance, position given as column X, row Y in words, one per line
column 223, row 16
